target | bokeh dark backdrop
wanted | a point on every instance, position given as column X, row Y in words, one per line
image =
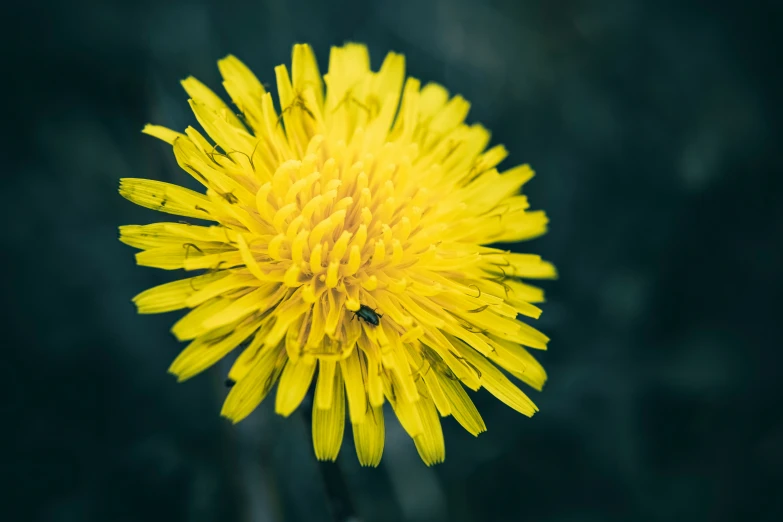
column 653, row 127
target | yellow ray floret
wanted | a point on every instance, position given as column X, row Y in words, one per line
column 350, row 247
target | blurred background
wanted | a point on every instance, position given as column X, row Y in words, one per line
column 654, row 129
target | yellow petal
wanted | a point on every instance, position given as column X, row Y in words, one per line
column 174, row 295
column 436, row 392
column 520, row 363
column 162, row 133
column 407, row 413
column 325, row 392
column 240, row 307
column 191, row 325
column 430, row 443
column 531, row 266
column 178, row 256
column 249, row 259
column 244, row 88
column 433, row 99
column 293, row 386
column 450, row 116
column 229, row 135
column 354, row 387
column 329, row 424
column 203, row 95
column 462, row 408
column 229, row 281
column 304, row 70
column 174, row 234
column 209, row 349
column 249, row 356
column 390, row 78
column 166, row 197
column 252, row 388
column 369, row 436
column 498, row 384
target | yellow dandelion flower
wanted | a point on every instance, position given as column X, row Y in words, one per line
column 350, row 243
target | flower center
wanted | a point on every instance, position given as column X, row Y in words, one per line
column 344, row 219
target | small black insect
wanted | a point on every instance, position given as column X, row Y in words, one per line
column 369, row 315
column 230, row 383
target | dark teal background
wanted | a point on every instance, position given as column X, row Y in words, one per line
column 655, row 131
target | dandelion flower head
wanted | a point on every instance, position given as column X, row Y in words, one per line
column 348, row 242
